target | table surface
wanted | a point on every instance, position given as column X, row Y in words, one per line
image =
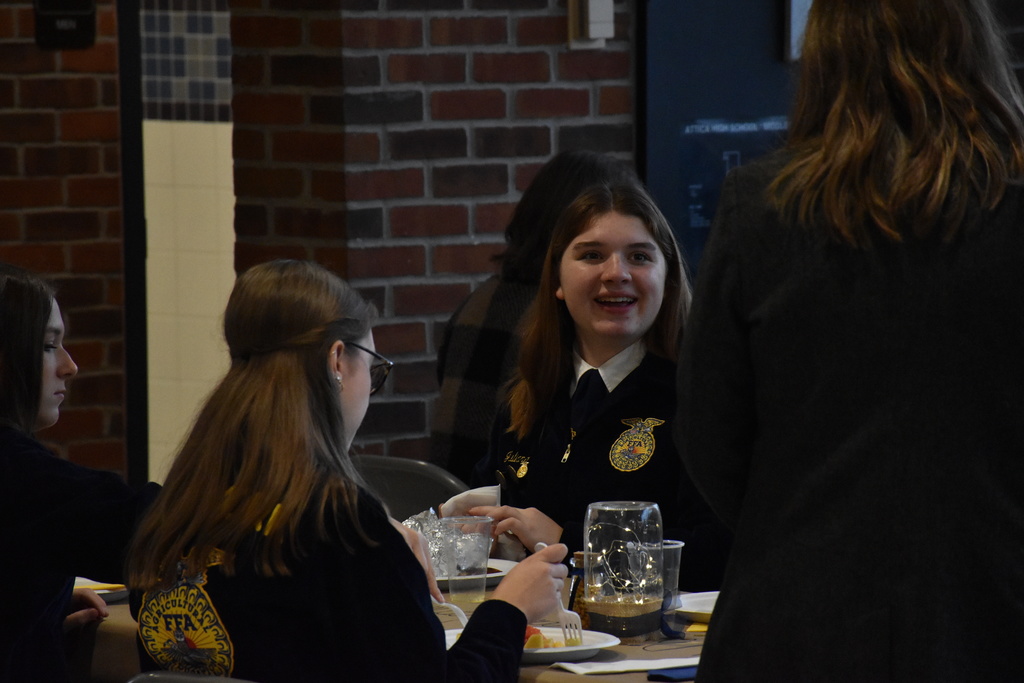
column 106, row 653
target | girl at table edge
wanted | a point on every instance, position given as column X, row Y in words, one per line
column 59, row 519
column 613, row 296
column 263, row 519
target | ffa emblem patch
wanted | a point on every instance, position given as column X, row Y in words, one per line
column 181, row 630
column 513, row 458
column 635, row 446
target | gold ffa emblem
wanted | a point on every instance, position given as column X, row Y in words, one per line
column 635, row 446
column 181, row 630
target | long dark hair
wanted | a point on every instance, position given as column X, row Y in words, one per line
column 554, row 187
column 907, row 113
column 545, row 353
column 268, row 446
column 26, row 302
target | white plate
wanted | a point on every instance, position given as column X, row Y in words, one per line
column 496, row 570
column 696, row 606
column 109, row 592
column 592, row 642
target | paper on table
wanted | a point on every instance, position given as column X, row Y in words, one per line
column 624, row 665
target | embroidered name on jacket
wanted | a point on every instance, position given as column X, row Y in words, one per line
column 181, row 630
column 635, row 446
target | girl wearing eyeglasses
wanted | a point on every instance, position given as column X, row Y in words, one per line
column 264, row 558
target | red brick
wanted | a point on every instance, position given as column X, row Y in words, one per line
column 428, row 221
column 291, row 221
column 493, row 217
column 96, row 257
column 416, row 377
column 42, row 258
column 61, row 161
column 248, row 144
column 593, row 65
column 265, row 32
column 87, row 354
column 615, row 99
column 102, row 455
column 102, row 322
column 264, row 181
column 470, row 180
column 100, row 58
column 106, row 23
column 23, row 57
column 251, row 220
column 334, row 259
column 453, row 105
column 381, row 34
column 542, row 31
column 378, row 262
column 383, row 184
column 276, row 109
column 248, row 254
column 7, row 22
column 23, row 193
column 94, row 191
column 515, row 67
column 552, row 102
column 361, row 148
column 428, row 299
column 307, row 146
column 79, row 423
column 399, row 338
column 325, row 33
column 78, row 126
column 109, row 93
column 307, row 70
column 471, row 31
column 465, row 258
column 427, row 68
column 58, row 93
column 22, row 127
column 6, row 93
column 78, row 291
column 54, row 226
column 248, row 70
column 525, row 173
column 10, row 226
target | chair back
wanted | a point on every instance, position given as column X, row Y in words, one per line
column 174, row 677
column 407, row 486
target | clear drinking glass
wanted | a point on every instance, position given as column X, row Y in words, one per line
column 622, row 569
column 467, row 545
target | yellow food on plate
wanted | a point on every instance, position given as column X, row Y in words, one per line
column 534, row 639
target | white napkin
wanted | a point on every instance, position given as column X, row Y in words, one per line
column 508, row 548
column 459, row 504
column 624, row 665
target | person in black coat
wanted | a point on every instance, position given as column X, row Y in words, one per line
column 851, row 382
column 57, row 519
column 608, row 314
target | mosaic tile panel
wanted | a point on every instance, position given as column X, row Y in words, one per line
column 186, row 60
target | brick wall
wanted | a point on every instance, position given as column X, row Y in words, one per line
column 389, row 140
column 60, row 212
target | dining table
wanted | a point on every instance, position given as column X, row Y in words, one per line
column 106, row 652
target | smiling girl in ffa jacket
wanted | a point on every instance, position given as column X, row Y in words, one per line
column 612, row 300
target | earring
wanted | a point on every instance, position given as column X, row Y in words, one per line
column 337, row 378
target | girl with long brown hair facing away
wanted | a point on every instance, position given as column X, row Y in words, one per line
column 264, row 558
column 604, row 325
column 852, row 382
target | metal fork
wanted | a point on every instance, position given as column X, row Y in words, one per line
column 572, row 627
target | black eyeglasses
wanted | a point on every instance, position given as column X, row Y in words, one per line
column 379, row 371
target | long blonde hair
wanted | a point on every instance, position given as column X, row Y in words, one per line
column 548, row 331
column 907, row 113
column 268, row 445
